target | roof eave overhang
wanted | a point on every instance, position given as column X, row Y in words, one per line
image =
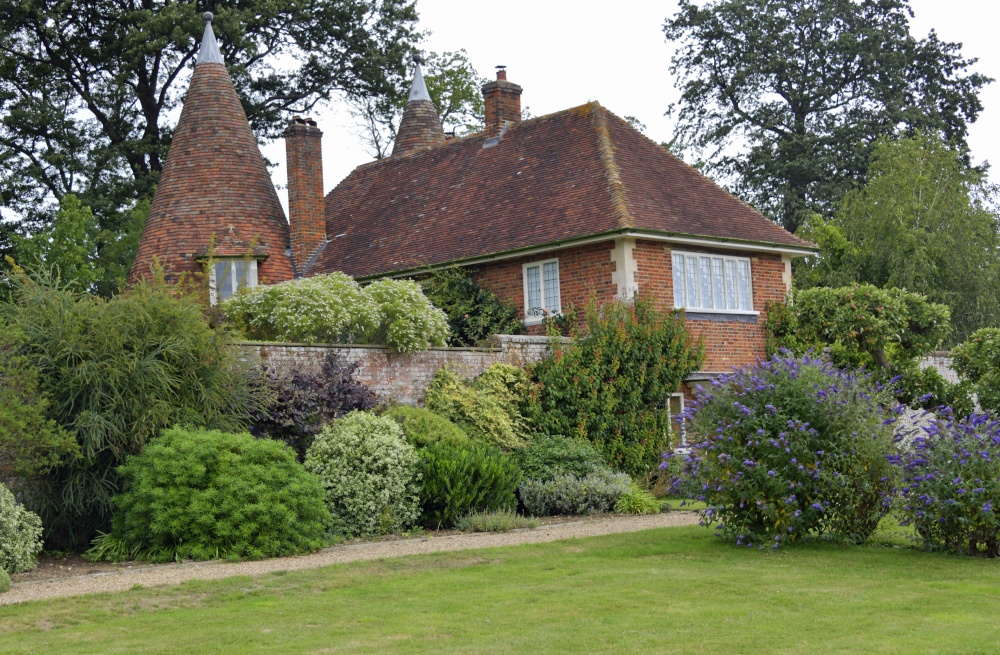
column 652, row 235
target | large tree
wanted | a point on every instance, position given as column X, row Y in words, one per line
column 785, row 98
column 89, row 90
column 923, row 222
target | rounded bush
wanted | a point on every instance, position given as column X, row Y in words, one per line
column 459, row 481
column 570, row 495
column 20, row 535
column 370, row 474
column 548, row 456
column 4, row 582
column 423, row 427
column 637, row 501
column 198, row 494
column 791, row 447
column 487, row 412
column 951, row 485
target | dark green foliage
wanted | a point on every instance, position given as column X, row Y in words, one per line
column 924, row 222
column 459, row 481
column 474, row 312
column 30, row 442
column 885, row 330
column 198, row 494
column 801, row 90
column 791, row 447
column 423, row 427
column 4, row 581
column 548, row 456
column 607, row 386
column 305, row 401
column 977, row 362
column 118, row 372
column 570, row 495
column 94, row 116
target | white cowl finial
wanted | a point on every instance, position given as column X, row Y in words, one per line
column 418, row 90
column 209, row 52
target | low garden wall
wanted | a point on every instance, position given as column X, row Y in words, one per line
column 399, row 377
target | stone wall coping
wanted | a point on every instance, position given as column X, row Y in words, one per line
column 358, row 346
column 526, row 338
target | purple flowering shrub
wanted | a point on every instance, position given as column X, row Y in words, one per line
column 951, row 484
column 790, row 447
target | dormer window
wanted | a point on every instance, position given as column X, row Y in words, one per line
column 227, row 276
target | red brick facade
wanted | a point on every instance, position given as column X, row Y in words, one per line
column 586, row 271
column 583, row 272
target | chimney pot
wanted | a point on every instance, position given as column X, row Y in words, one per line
column 503, row 103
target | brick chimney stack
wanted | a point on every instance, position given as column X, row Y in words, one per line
column 503, row 102
column 306, row 208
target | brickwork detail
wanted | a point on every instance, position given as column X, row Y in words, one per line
column 306, row 204
column 727, row 343
column 419, row 128
column 584, row 271
column 502, row 100
column 403, row 378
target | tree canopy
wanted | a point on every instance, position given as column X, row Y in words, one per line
column 924, row 222
column 785, row 98
column 88, row 89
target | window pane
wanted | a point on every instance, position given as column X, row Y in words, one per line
column 692, row 282
column 679, row 297
column 550, row 273
column 534, row 292
column 223, row 280
column 718, row 283
column 731, row 295
column 240, row 276
column 744, row 284
column 706, row 282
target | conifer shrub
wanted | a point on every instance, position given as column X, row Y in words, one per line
column 458, row 481
column 423, row 427
column 335, row 309
column 951, row 484
column 205, row 494
column 370, row 474
column 487, row 409
column 20, row 535
column 607, row 386
column 788, row 448
column 474, row 312
column 305, row 401
column 117, row 372
column 571, row 495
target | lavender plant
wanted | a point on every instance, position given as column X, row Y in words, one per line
column 951, row 484
column 790, row 447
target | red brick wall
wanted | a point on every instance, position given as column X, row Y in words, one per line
column 306, row 209
column 582, row 271
column 502, row 101
column 727, row 343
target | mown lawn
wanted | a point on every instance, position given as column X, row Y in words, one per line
column 674, row 590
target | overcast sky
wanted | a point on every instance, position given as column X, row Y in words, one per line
column 566, row 52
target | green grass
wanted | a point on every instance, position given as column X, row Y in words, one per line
column 675, row 590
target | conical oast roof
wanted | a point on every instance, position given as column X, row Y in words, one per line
column 215, row 189
column 420, row 126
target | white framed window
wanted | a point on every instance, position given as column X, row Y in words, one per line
column 712, row 283
column 678, row 435
column 227, row 276
column 541, row 290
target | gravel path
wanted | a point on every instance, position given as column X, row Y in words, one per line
column 169, row 574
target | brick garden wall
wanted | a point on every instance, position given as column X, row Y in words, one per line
column 403, row 378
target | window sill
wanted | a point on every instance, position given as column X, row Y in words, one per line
column 734, row 317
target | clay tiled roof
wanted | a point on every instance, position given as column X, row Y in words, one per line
column 215, row 185
column 551, row 179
